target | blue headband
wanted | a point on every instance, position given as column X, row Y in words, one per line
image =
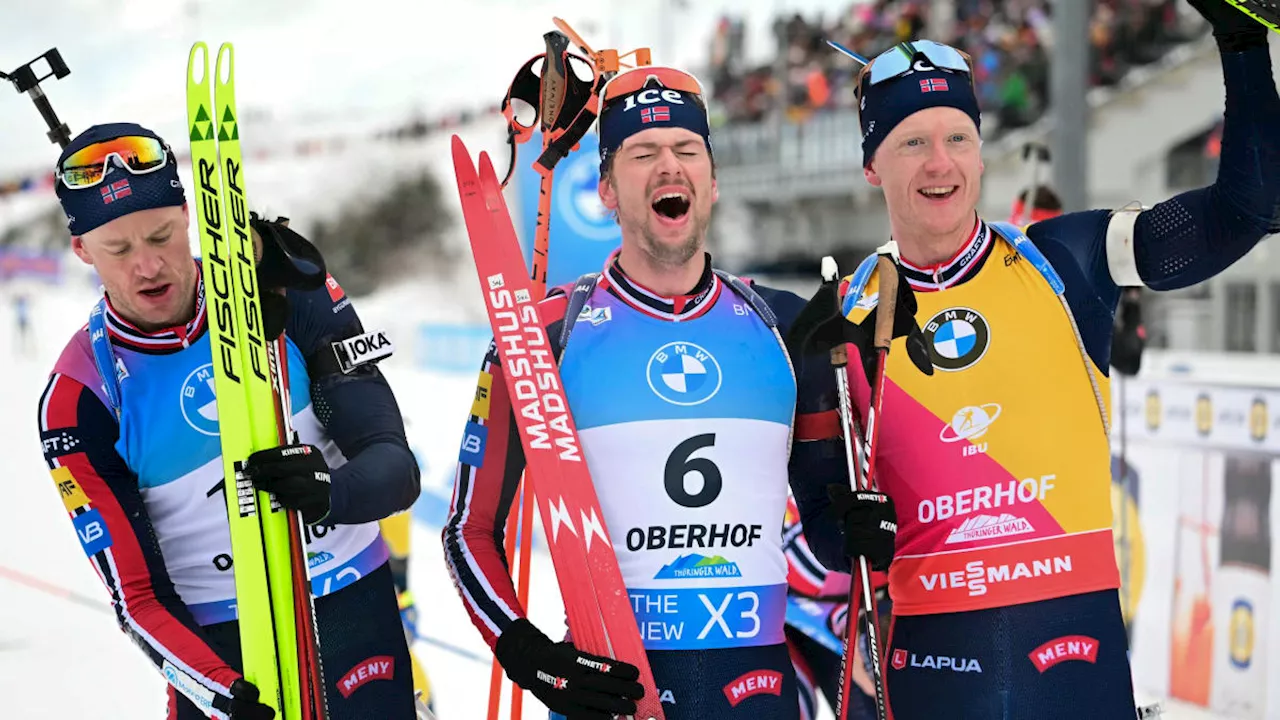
column 651, row 107
column 121, row 192
column 885, row 104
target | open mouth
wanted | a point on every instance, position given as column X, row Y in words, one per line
column 672, row 206
column 939, row 192
column 156, row 292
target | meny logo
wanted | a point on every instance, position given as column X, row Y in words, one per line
column 756, row 682
column 1068, row 647
column 379, row 667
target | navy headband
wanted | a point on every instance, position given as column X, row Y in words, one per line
column 121, row 192
column 652, row 107
column 891, row 101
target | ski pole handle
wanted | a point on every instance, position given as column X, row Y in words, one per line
column 887, row 305
column 839, row 352
column 555, row 81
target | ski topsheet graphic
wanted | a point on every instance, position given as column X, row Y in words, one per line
column 601, row 620
column 245, row 365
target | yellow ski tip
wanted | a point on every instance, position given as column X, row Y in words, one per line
column 193, row 65
column 227, row 55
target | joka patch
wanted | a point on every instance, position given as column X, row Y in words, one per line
column 957, row 338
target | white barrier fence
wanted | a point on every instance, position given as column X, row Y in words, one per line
column 1194, row 512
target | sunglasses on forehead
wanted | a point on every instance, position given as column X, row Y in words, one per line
column 633, row 81
column 905, row 58
column 649, row 84
column 87, row 167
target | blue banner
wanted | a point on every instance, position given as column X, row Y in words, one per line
column 19, row 262
column 583, row 231
column 452, row 347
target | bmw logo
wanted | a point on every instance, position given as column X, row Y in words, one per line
column 957, row 338
column 578, row 197
column 199, row 406
column 684, row 374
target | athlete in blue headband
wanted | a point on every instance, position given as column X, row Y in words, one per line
column 1004, row 582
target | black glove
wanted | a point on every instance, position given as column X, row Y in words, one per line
column 869, row 522
column 288, row 261
column 905, row 326
column 245, row 705
column 297, row 475
column 566, row 680
column 1233, row 30
column 821, row 325
column 1128, row 338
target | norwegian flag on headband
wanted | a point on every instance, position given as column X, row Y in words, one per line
column 932, row 84
column 115, row 191
column 661, row 113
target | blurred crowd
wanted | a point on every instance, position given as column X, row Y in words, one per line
column 410, row 129
column 1010, row 42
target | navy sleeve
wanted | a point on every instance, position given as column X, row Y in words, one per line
column 359, row 411
column 1198, row 234
column 814, row 464
column 1192, row 236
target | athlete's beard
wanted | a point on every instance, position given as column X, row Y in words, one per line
column 676, row 255
column 667, row 254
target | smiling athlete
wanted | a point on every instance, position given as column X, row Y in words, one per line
column 1004, row 581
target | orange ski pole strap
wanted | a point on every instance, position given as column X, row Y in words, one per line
column 564, row 104
column 607, row 62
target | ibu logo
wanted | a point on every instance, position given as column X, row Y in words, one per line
column 199, row 404
column 683, row 373
column 578, row 197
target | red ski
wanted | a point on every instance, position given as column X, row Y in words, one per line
column 600, row 617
